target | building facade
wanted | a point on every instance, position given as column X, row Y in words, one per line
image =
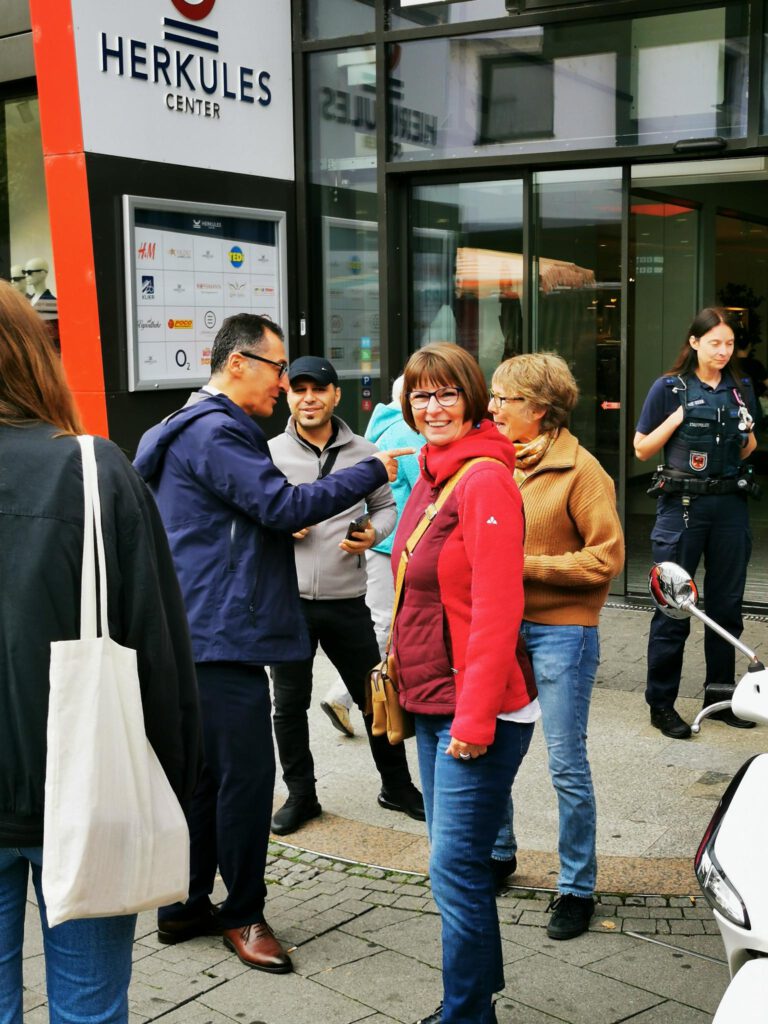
column 512, row 175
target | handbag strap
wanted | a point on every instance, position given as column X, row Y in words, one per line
column 94, row 562
column 421, row 528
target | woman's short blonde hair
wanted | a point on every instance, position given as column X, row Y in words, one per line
column 545, row 380
column 444, row 363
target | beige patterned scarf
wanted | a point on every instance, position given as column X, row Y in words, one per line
column 530, row 453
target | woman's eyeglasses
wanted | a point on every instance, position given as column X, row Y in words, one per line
column 282, row 366
column 499, row 400
column 443, row 396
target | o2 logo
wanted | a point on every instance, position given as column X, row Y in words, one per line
column 195, row 10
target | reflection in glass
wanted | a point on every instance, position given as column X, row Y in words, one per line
column 577, row 297
column 467, row 267
column 324, row 19
column 343, row 226
column 443, row 13
column 27, row 245
column 581, row 85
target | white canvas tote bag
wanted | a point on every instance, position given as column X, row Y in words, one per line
column 115, row 840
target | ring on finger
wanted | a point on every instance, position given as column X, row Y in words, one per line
column 464, row 756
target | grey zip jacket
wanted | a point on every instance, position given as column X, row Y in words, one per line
column 326, row 572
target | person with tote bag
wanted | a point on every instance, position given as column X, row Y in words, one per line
column 141, row 627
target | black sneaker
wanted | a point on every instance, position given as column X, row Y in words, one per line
column 670, row 723
column 433, row 1018
column 406, row 799
column 294, row 813
column 570, row 916
column 501, row 870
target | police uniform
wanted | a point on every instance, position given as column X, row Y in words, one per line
column 701, row 510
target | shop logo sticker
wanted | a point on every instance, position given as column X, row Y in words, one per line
column 195, row 10
column 236, row 256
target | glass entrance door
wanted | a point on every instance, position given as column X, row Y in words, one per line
column 467, row 267
column 664, row 288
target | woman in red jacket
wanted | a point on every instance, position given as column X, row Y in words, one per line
column 455, row 645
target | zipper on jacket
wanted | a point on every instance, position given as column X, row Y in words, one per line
column 232, row 536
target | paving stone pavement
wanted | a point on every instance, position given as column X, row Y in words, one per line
column 367, row 948
column 367, row 938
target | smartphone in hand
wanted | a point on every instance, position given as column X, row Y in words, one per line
column 357, row 526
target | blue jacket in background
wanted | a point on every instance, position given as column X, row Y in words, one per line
column 387, row 429
column 229, row 514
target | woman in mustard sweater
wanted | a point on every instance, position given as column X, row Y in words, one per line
column 573, row 548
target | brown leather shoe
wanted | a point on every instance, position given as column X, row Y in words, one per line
column 256, row 946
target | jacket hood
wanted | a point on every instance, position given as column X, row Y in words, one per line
column 382, row 418
column 439, row 462
column 157, row 440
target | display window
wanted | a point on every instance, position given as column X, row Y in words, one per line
column 26, row 256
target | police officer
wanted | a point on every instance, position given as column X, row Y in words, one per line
column 702, row 413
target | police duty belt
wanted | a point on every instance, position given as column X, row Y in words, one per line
column 667, row 480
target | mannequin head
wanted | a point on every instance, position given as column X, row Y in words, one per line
column 18, row 279
column 36, row 273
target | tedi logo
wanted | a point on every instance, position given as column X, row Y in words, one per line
column 236, row 257
column 196, row 10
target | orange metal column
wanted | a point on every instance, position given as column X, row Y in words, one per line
column 69, row 207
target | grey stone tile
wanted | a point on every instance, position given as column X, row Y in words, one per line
column 586, row 949
column 395, row 985
column 671, row 1013
column 510, row 1012
column 376, row 919
column 670, row 974
column 574, row 995
column 197, row 1013
column 419, row 939
column 283, row 998
column 332, row 950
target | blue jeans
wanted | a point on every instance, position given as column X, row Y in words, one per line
column 565, row 660
column 87, row 962
column 465, row 802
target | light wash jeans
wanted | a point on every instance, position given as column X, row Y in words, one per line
column 565, row 660
column 87, row 962
column 465, row 802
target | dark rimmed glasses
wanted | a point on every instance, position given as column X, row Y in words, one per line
column 499, row 400
column 446, row 397
column 282, row 366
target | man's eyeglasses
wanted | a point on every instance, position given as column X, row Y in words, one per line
column 282, row 366
column 499, row 400
column 443, row 396
column 15, row 279
column 37, row 270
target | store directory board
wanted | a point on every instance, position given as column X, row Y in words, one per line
column 188, row 267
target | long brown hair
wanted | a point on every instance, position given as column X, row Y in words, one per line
column 32, row 382
column 688, row 359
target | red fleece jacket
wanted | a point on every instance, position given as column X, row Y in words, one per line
column 456, row 631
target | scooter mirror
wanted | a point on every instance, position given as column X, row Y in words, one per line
column 672, row 590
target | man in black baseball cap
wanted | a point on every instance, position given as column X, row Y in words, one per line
column 314, row 367
column 331, row 570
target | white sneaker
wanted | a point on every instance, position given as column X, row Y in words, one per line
column 339, row 717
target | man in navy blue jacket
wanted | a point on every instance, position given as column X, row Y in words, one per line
column 229, row 514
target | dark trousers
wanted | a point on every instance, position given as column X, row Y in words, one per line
column 345, row 631
column 230, row 811
column 718, row 530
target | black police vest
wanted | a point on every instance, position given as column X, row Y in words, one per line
column 708, row 443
